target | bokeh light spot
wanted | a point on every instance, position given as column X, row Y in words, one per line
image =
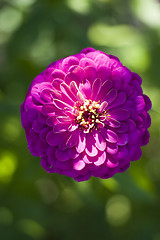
column 148, row 11
column 113, row 36
column 48, row 190
column 6, row 217
column 8, row 164
column 118, row 210
column 32, row 228
column 80, row 6
column 10, row 19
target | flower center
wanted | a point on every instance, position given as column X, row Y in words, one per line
column 87, row 115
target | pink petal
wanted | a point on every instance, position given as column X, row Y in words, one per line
column 74, row 88
column 91, row 150
column 72, row 127
column 81, row 143
column 109, row 135
column 96, row 87
column 112, row 148
column 103, row 106
column 101, row 159
column 100, row 141
column 120, row 114
column 111, row 164
column 79, row 165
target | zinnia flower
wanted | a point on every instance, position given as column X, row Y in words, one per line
column 86, row 115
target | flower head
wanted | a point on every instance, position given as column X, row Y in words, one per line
column 86, row 115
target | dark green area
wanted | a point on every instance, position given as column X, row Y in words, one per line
column 38, row 205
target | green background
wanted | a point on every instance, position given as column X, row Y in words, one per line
column 38, row 205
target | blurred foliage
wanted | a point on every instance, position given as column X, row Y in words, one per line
column 37, row 205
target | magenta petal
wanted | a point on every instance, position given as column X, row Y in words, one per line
column 122, row 139
column 110, row 96
column 52, row 138
column 62, row 155
column 61, row 105
column 100, row 141
column 106, row 86
column 91, row 149
column 61, row 127
column 71, row 77
column 131, row 125
column 67, row 95
column 37, row 127
column 109, row 135
column 122, row 128
column 69, row 61
column 78, row 165
column 46, row 95
column 96, row 87
column 102, row 60
column 51, row 121
column 113, row 123
column 104, row 73
column 81, row 143
column 101, row 159
column 121, row 73
column 85, row 62
column 90, row 73
column 120, row 114
column 85, row 89
column 57, row 73
column 48, row 108
column 73, row 139
column 148, row 103
column 79, row 72
column 140, row 103
column 56, row 83
column 120, row 99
